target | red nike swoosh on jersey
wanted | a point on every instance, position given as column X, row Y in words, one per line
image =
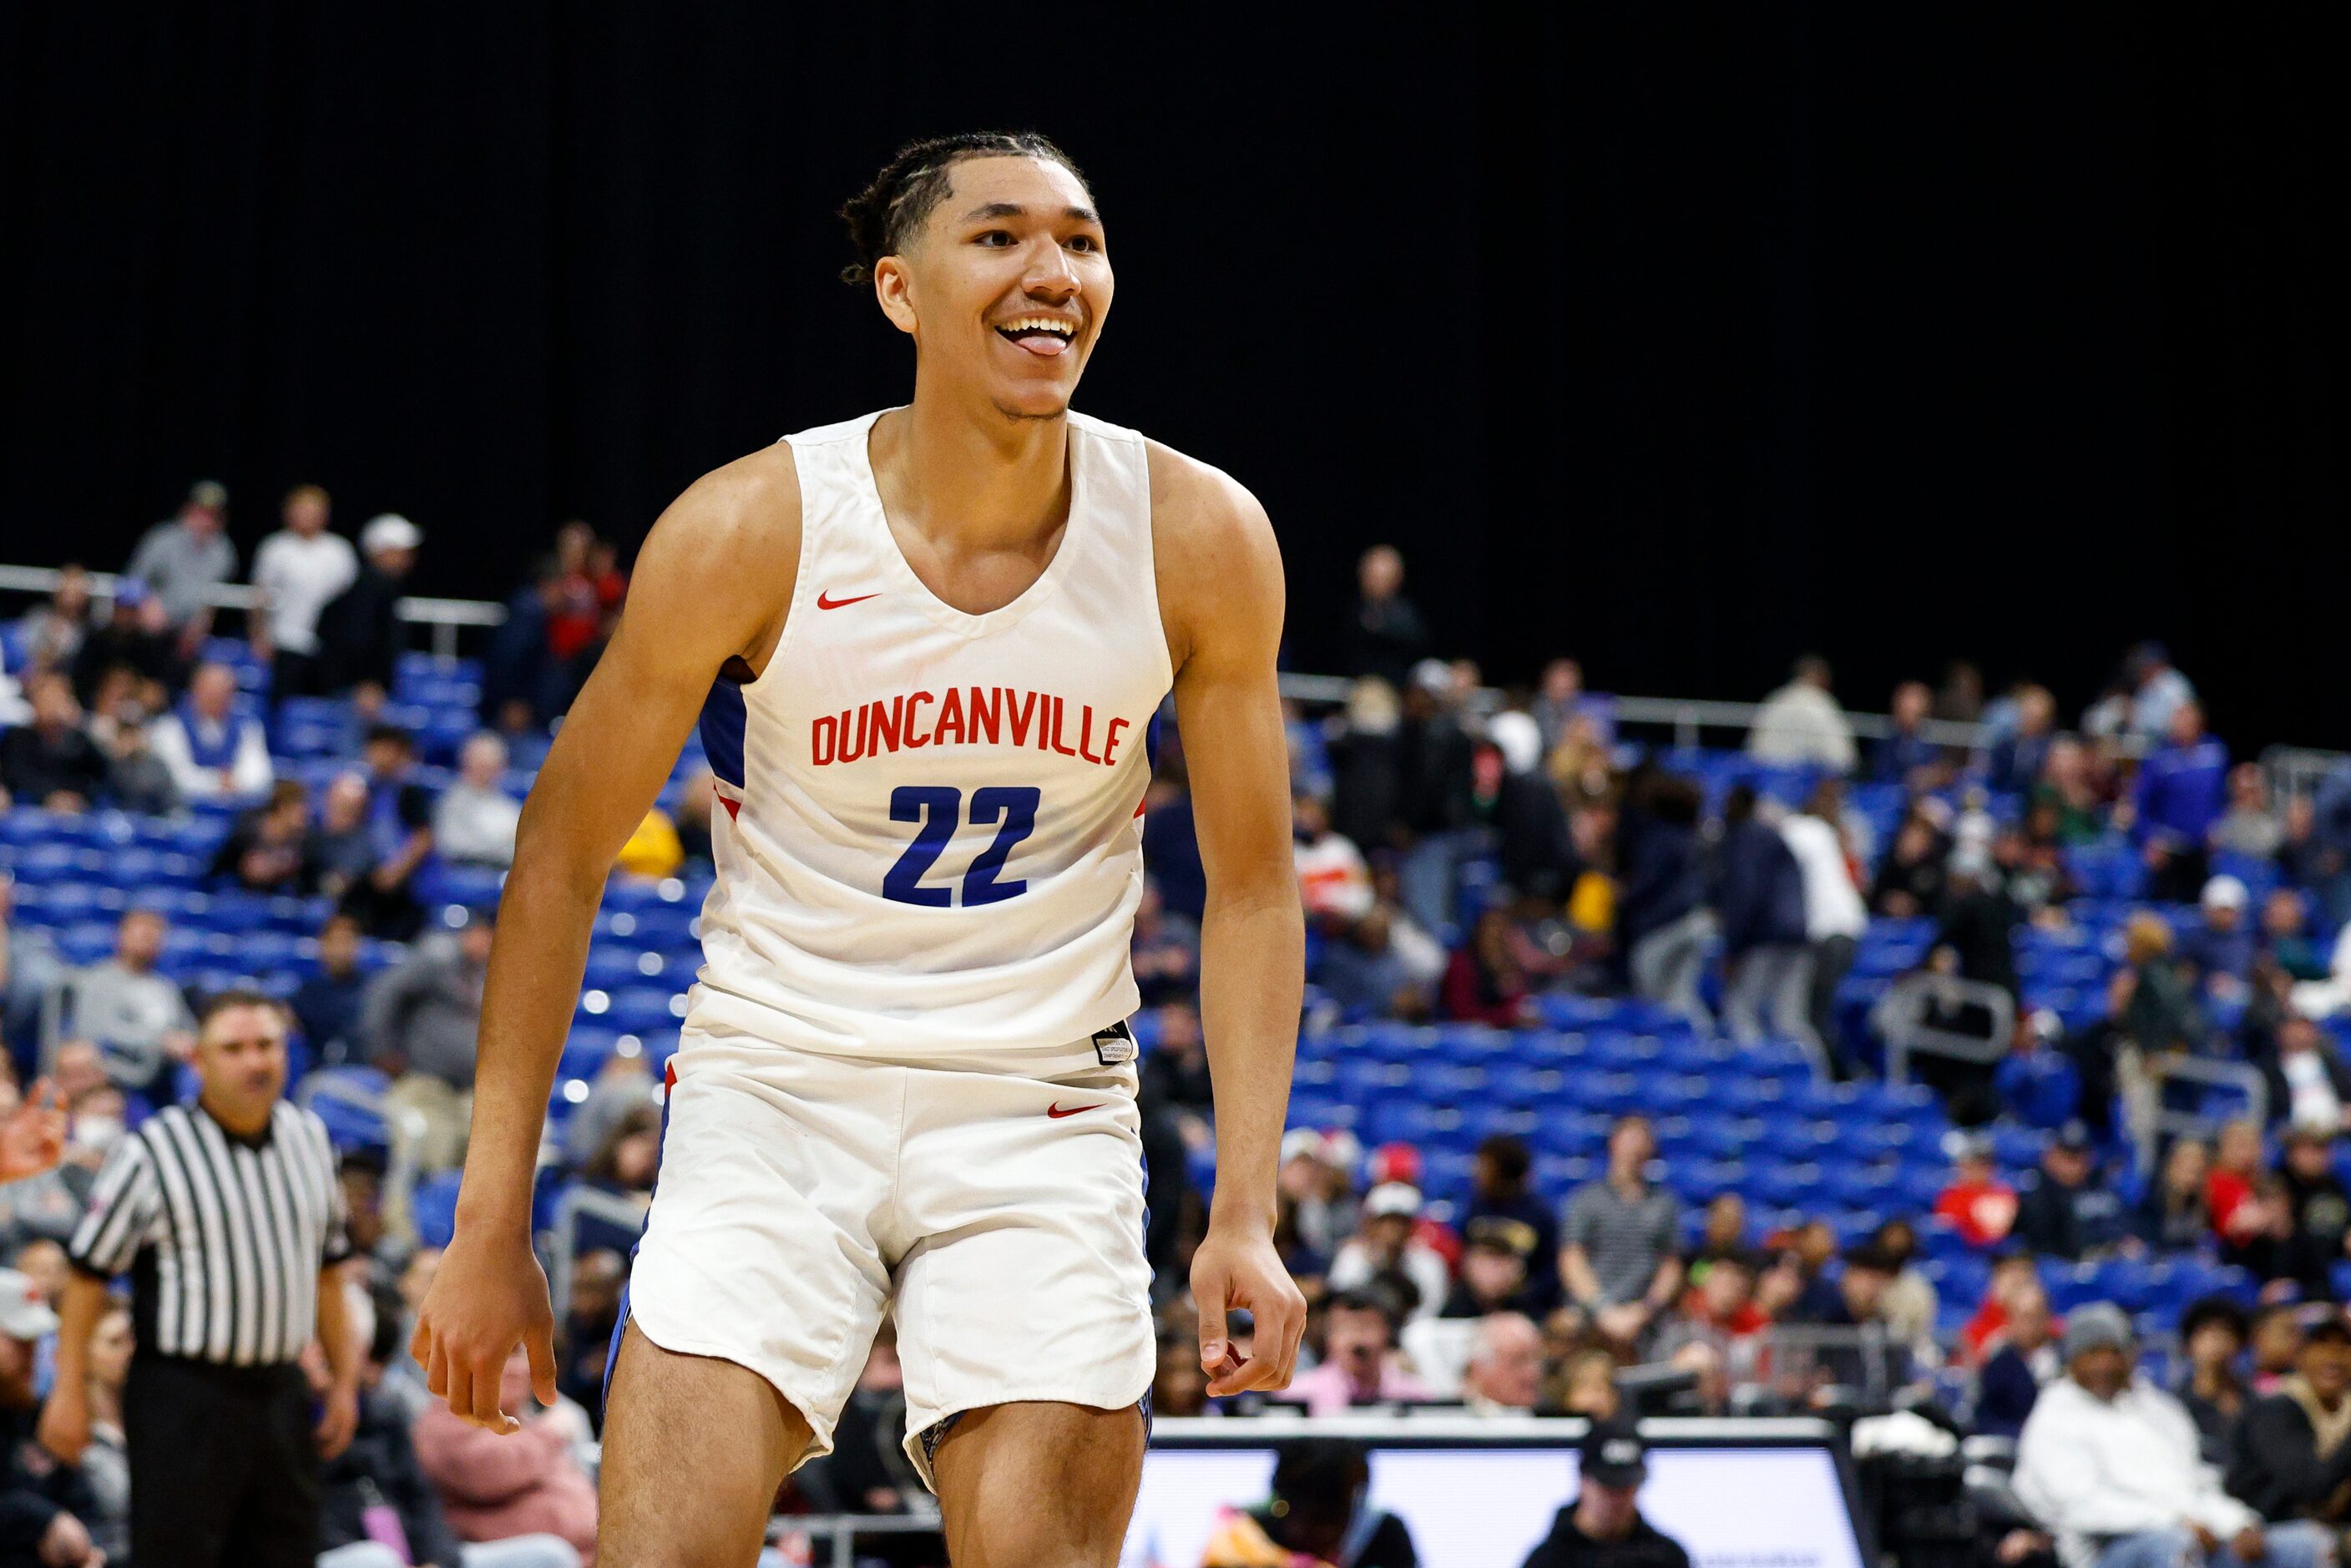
column 824, row 603
column 1055, row 1111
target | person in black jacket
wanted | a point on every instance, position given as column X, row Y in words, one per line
column 43, row 1502
column 52, row 761
column 380, row 1468
column 359, row 630
column 2070, row 1213
column 1602, row 1528
column 1663, row 924
column 1759, row 895
column 1317, row 1504
column 2319, row 1209
column 2292, row 1458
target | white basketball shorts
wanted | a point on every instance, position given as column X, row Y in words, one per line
column 993, row 1207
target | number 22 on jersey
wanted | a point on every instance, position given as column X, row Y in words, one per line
column 938, row 808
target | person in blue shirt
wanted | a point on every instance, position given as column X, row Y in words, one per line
column 2218, row 953
column 1906, row 756
column 2039, row 1087
column 2182, row 790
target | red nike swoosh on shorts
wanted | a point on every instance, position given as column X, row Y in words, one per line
column 824, row 603
column 1055, row 1111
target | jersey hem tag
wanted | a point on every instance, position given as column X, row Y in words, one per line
column 1114, row 1045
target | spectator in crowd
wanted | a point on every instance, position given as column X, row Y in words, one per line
column 1979, row 922
column 135, row 636
column 52, row 632
column 2307, row 1076
column 868, row 1471
column 1978, row 1206
column 1559, row 700
column 2213, row 1337
column 2285, row 938
column 1333, row 881
column 473, row 823
column 1662, row 919
column 421, row 1020
column 2249, row 826
column 268, row 851
column 2070, row 1213
column 330, row 1002
column 2018, row 755
column 523, row 1484
column 2112, row 1466
column 1501, row 1189
column 2013, row 1376
column 2275, row 1339
column 1619, row 1257
column 1358, row 1366
column 2161, row 1016
column 359, row 630
column 1318, row 1514
column 622, row 1169
column 2070, row 785
column 1365, row 751
column 1603, row 1527
column 214, row 752
column 1387, row 1243
column 597, row 1277
column 297, row 572
column 30, row 970
column 2291, row 1460
column 1759, row 898
column 341, row 848
column 2037, row 1083
column 2317, row 1211
column 400, row 835
column 1435, row 755
column 1910, row 878
column 2173, row 1216
column 52, row 762
column 2218, row 953
column 2181, row 792
column 1494, row 1256
column 1835, row 916
column 2158, row 691
column 1802, row 722
column 121, row 722
column 140, row 1020
column 47, row 1511
column 1166, row 952
column 1484, row 982
column 1387, row 636
column 1504, row 1374
column 1906, row 756
column 1364, row 969
column 106, row 1463
column 184, row 559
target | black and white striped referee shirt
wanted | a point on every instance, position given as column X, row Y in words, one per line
column 224, row 1236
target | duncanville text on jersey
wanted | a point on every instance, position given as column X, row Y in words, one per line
column 967, row 715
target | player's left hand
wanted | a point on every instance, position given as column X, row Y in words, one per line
column 1237, row 1267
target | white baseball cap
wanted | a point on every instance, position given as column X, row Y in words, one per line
column 389, row 531
column 2224, row 892
column 1392, row 1197
column 24, row 1312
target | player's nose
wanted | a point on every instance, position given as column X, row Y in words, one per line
column 1052, row 280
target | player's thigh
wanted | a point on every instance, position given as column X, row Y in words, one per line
column 694, row 1448
column 1039, row 1485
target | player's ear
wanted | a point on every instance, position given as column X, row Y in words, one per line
column 893, row 291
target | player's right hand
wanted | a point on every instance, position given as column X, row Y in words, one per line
column 488, row 1295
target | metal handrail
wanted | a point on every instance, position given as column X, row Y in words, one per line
column 444, row 615
column 577, row 1200
column 1901, row 1020
column 2243, row 1077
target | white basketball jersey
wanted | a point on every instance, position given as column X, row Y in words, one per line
column 931, row 839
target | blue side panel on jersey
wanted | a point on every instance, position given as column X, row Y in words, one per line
column 723, row 718
column 1151, row 742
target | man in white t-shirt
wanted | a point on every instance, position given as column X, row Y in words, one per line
column 298, row 569
column 1834, row 914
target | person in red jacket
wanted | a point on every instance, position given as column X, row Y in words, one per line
column 1979, row 1205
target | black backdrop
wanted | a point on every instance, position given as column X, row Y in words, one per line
column 1682, row 338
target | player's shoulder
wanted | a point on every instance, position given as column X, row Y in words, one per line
column 750, row 507
column 1214, row 554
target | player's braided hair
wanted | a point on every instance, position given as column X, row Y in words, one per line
column 902, row 195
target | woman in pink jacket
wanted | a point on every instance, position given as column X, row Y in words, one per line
column 531, row 1483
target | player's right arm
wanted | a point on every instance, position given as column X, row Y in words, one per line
column 711, row 584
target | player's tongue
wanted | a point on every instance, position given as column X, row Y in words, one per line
column 1044, row 344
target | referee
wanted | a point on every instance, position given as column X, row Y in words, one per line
column 227, row 1215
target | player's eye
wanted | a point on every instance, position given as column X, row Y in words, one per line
column 1086, row 242
column 994, row 238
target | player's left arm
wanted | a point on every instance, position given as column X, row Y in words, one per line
column 1221, row 589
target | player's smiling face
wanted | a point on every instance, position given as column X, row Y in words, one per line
column 1006, row 285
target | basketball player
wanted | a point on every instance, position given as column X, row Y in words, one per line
column 937, row 637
